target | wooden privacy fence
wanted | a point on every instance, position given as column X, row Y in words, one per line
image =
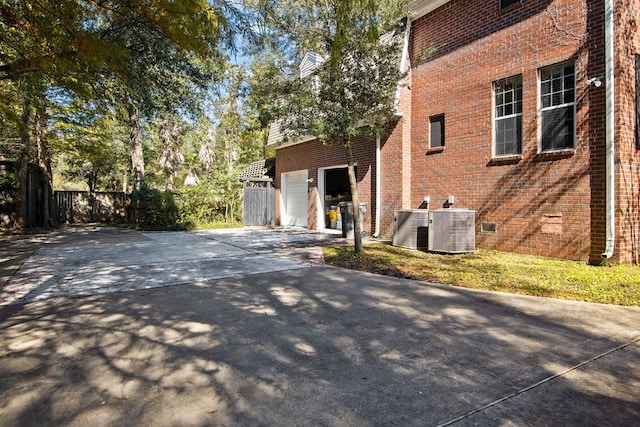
column 36, row 193
column 259, row 202
column 83, row 207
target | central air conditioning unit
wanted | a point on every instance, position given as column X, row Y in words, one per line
column 452, row 230
column 410, row 228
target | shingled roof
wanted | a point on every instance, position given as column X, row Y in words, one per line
column 260, row 169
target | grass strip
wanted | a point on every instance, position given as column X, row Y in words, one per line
column 498, row 271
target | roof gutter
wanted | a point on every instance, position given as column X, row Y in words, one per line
column 404, row 62
column 609, row 53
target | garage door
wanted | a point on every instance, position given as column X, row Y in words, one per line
column 295, row 198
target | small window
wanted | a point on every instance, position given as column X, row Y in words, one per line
column 489, row 227
column 557, row 107
column 436, row 131
column 507, row 3
column 508, row 116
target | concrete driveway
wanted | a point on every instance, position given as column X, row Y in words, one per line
column 297, row 344
column 88, row 260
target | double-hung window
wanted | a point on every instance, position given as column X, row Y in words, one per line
column 508, row 116
column 557, row 107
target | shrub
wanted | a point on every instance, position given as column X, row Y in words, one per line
column 200, row 204
column 155, row 210
column 188, row 208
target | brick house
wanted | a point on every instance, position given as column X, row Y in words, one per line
column 505, row 108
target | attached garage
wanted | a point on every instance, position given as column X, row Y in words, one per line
column 294, row 198
column 333, row 188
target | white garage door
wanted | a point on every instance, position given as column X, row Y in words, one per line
column 295, row 198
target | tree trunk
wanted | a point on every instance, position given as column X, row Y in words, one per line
column 230, row 160
column 137, row 155
column 166, row 154
column 353, row 183
column 44, row 161
column 23, row 171
column 171, row 158
column 92, row 182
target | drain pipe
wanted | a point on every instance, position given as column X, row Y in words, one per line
column 610, row 129
column 396, row 104
column 378, row 192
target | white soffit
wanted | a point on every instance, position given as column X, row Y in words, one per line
column 422, row 7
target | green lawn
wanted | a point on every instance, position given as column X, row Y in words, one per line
column 498, row 271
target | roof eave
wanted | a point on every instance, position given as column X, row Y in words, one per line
column 287, row 143
column 421, row 7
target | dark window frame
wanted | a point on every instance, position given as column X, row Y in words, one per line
column 437, row 133
column 506, row 3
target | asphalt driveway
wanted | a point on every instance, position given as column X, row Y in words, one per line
column 191, row 340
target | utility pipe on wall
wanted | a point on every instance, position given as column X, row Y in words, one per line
column 609, row 55
column 403, row 69
column 378, row 192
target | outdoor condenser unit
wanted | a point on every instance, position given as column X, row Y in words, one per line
column 452, row 230
column 410, row 228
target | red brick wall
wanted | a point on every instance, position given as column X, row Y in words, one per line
column 541, row 204
column 313, row 155
column 627, row 22
column 396, row 166
column 544, row 204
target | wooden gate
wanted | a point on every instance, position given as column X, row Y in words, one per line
column 84, row 207
column 36, row 193
column 259, row 207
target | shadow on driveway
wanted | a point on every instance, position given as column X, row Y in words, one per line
column 318, row 346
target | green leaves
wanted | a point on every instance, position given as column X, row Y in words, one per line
column 92, row 152
column 352, row 91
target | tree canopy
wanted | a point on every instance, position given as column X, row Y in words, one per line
column 132, row 61
column 123, row 94
column 351, row 92
column 64, row 39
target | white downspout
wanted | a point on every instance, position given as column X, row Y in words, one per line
column 378, row 180
column 609, row 57
column 403, row 67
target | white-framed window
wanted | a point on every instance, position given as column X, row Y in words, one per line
column 557, row 107
column 507, row 123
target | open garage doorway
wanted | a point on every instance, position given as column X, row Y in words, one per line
column 333, row 188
